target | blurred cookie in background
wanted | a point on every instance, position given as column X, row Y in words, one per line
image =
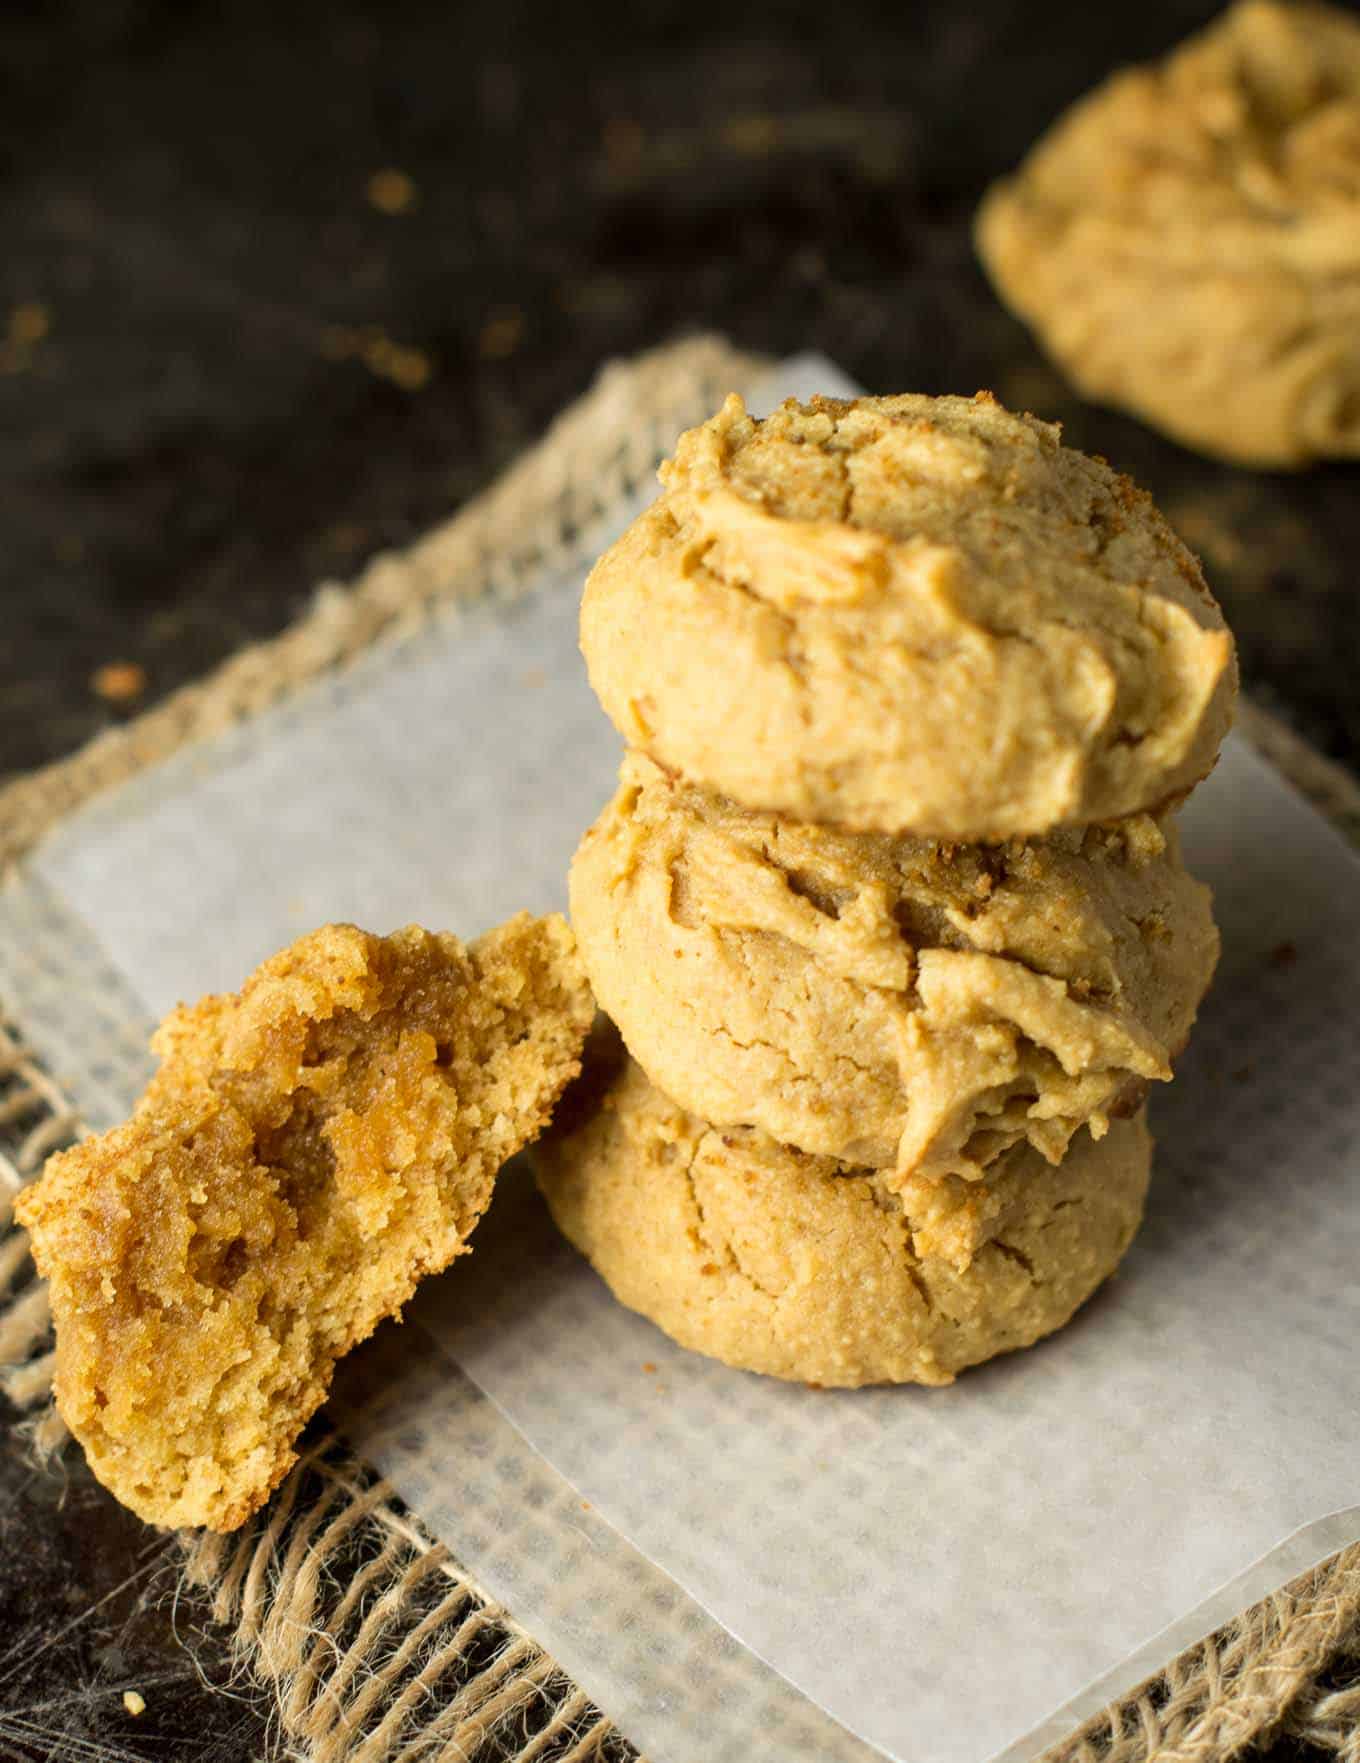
column 1185, row 240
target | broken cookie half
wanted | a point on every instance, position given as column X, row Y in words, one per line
column 309, row 1149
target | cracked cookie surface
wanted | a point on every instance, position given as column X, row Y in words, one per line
column 900, row 1003
column 307, row 1151
column 803, row 1268
column 909, row 614
column 1186, row 239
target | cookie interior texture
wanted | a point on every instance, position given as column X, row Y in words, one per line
column 909, row 614
column 803, row 1268
column 308, row 1150
column 1186, row 239
column 901, row 1003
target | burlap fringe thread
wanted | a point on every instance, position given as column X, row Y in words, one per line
column 376, row 1646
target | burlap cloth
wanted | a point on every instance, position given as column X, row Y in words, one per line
column 375, row 1645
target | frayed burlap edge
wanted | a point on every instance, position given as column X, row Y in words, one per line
column 377, row 1647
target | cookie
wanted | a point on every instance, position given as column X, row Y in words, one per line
column 802, row 1268
column 909, row 614
column 1186, row 240
column 308, row 1150
column 900, row 1003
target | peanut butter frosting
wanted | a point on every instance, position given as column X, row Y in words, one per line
column 900, row 1003
column 909, row 614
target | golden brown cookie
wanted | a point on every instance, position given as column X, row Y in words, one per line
column 802, row 1268
column 895, row 1002
column 1186, row 240
column 909, row 614
column 308, row 1150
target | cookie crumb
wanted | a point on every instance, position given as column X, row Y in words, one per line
column 134, row 1702
column 118, row 682
column 404, row 366
column 501, row 335
column 391, row 191
column 29, row 323
column 649, row 1368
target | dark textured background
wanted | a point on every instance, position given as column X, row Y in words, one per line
column 227, row 371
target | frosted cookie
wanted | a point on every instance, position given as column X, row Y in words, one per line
column 307, row 1151
column 801, row 1268
column 894, row 1002
column 1186, row 240
column 909, row 614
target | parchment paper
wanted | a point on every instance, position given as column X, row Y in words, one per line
column 942, row 1571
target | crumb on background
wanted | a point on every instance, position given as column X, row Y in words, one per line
column 501, row 335
column 404, row 366
column 29, row 323
column 392, row 191
column 118, row 682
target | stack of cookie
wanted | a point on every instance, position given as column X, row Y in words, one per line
column 888, row 909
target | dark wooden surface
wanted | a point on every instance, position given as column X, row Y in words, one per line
column 228, row 368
